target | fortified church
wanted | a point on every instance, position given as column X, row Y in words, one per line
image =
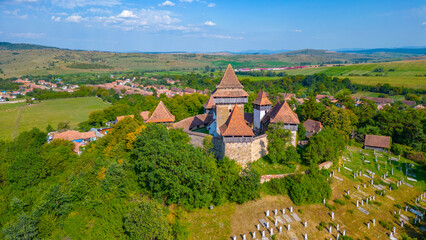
column 238, row 135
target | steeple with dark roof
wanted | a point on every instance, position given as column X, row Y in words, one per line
column 235, row 125
column 161, row 115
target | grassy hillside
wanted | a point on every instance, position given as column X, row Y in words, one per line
column 21, row 59
column 16, row 118
column 410, row 73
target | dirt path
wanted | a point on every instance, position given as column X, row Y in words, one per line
column 18, row 119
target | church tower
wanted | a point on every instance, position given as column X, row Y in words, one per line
column 261, row 106
column 228, row 93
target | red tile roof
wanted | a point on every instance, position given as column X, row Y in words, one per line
column 282, row 112
column 229, row 79
column 209, row 104
column 377, row 141
column 74, row 135
column 119, row 118
column 312, row 126
column 235, row 125
column 144, row 115
column 161, row 115
column 262, row 99
column 194, row 121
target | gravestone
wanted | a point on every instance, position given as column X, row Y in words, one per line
column 337, row 227
column 288, row 227
column 244, row 237
column 306, row 224
column 291, row 209
column 296, row 217
column 332, row 215
column 281, row 229
column 374, row 222
column 329, row 229
column 254, row 235
column 368, row 225
column 305, row 236
column 344, row 232
column 267, row 213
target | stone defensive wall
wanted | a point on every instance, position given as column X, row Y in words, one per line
column 196, row 138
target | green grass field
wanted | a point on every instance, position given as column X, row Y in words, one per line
column 402, row 73
column 16, row 118
column 410, row 74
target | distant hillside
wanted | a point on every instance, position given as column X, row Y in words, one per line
column 17, row 60
column 21, row 46
column 389, row 50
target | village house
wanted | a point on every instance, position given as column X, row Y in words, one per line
column 312, row 127
column 377, row 143
column 80, row 139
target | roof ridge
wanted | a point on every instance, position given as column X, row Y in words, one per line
column 230, row 79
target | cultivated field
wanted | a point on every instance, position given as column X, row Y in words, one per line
column 16, row 118
column 234, row 220
column 402, row 73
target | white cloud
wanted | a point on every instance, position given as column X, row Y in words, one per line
column 99, row 10
column 27, row 35
column 297, row 30
column 82, row 3
column 221, row 36
column 211, row 5
column 144, row 19
column 16, row 14
column 210, row 23
column 126, row 14
column 423, row 23
column 74, row 18
column 186, row 1
column 56, row 19
column 166, row 3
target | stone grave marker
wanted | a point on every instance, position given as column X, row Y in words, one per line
column 296, row 217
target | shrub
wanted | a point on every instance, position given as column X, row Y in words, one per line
column 300, row 211
column 350, row 211
column 340, row 202
column 418, row 157
column 347, row 238
column 376, row 203
column 398, row 206
column 385, row 224
column 330, row 207
column 347, row 197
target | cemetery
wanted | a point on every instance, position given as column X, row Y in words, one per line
column 375, row 196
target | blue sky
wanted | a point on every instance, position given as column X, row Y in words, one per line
column 213, row 25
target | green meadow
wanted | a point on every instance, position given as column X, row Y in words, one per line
column 19, row 117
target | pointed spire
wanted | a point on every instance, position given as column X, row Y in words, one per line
column 161, row 114
column 229, row 79
column 261, row 99
column 235, row 125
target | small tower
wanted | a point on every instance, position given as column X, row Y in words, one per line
column 261, row 106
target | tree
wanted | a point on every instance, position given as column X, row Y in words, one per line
column 278, row 141
column 342, row 120
column 208, row 144
column 247, row 186
column 63, row 126
column 147, row 221
column 173, row 170
column 324, row 146
column 23, row 229
column 310, row 109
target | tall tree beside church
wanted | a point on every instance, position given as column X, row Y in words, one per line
column 310, row 110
